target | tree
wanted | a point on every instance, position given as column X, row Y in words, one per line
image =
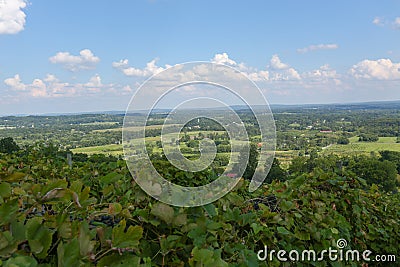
column 374, row 171
column 343, row 140
column 276, row 172
column 391, row 156
column 8, row 145
column 368, row 138
column 299, row 165
column 251, row 163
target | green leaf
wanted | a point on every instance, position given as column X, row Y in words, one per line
column 8, row 211
column 128, row 239
column 53, row 185
column 110, row 178
column 283, row 230
column 5, row 190
column 15, row 177
column 203, row 256
column 163, row 211
column 39, row 237
column 114, row 208
column 68, row 254
column 211, row 210
column 180, row 219
column 21, row 261
column 286, row 205
column 256, row 228
column 116, row 260
column 18, row 231
column 8, row 245
column 84, row 240
column 302, row 235
column 335, row 231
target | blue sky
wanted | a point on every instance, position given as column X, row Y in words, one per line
column 74, row 56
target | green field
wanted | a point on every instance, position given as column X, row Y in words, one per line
column 355, row 147
column 106, row 149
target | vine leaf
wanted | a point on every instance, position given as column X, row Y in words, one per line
column 163, row 211
column 61, row 193
column 128, row 239
column 39, row 237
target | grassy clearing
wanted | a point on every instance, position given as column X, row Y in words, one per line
column 106, row 149
column 355, row 147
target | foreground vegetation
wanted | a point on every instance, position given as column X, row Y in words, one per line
column 93, row 213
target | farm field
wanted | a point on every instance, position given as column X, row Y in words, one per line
column 356, row 147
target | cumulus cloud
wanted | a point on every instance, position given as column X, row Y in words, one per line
column 381, row 69
column 279, row 71
column 317, row 47
column 12, row 16
column 15, row 83
column 285, row 75
column 262, row 75
column 323, row 72
column 223, row 59
column 276, row 63
column 85, row 60
column 94, row 81
column 150, row 69
column 38, row 88
column 51, row 87
column 50, row 78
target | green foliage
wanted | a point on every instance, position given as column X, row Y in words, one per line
column 251, row 161
column 368, row 138
column 94, row 214
column 276, row 173
column 343, row 140
column 8, row 145
column 391, row 156
column 374, row 171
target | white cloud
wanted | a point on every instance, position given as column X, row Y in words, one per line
column 127, row 89
column 38, row 88
column 285, row 75
column 378, row 21
column 381, row 69
column 262, row 75
column 150, row 69
column 323, row 72
column 123, row 63
column 396, row 23
column 50, row 78
column 223, row 59
column 85, row 60
column 51, row 87
column 12, row 18
column 279, row 71
column 95, row 81
column 317, row 47
column 15, row 83
column 276, row 63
